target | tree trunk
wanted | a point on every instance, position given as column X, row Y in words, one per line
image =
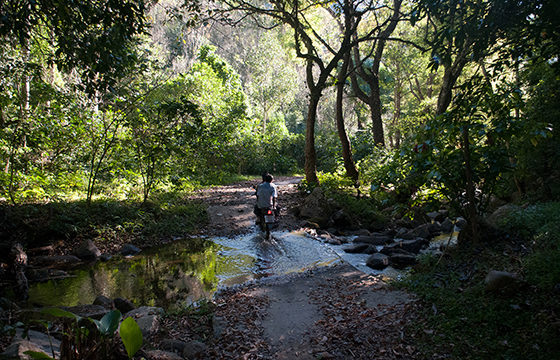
column 310, row 153
column 375, row 108
column 349, row 165
column 471, row 206
column 397, row 113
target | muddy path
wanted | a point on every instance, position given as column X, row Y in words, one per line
column 334, row 312
column 230, row 207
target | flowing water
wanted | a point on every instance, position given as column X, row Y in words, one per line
column 185, row 271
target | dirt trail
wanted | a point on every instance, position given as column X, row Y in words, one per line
column 333, row 312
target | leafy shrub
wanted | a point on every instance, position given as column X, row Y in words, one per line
column 541, row 224
column 532, row 219
column 81, row 341
column 101, row 220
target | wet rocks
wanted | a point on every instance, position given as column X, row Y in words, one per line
column 105, row 302
column 356, row 249
column 410, row 246
column 123, row 305
column 378, row 261
column 374, row 239
column 397, row 253
column 403, row 260
column 129, row 250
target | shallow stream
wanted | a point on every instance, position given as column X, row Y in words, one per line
column 185, row 271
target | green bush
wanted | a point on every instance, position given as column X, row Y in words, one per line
column 37, row 224
column 543, row 263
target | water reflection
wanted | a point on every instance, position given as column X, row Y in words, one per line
column 185, row 271
column 161, row 276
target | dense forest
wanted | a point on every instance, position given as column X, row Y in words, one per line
column 112, row 111
column 122, row 99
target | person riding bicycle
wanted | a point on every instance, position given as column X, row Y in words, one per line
column 267, row 193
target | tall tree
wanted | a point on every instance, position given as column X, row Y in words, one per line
column 370, row 74
column 93, row 36
column 321, row 53
column 463, row 32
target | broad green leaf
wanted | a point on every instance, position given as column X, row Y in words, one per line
column 37, row 355
column 110, row 322
column 131, row 336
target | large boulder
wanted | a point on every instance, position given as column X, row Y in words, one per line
column 316, row 205
column 148, row 319
column 123, row 305
column 91, row 311
column 498, row 217
column 503, row 283
column 378, row 261
column 402, row 260
column 361, row 248
column 105, row 302
column 87, row 250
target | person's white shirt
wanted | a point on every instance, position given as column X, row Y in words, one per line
column 266, row 192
